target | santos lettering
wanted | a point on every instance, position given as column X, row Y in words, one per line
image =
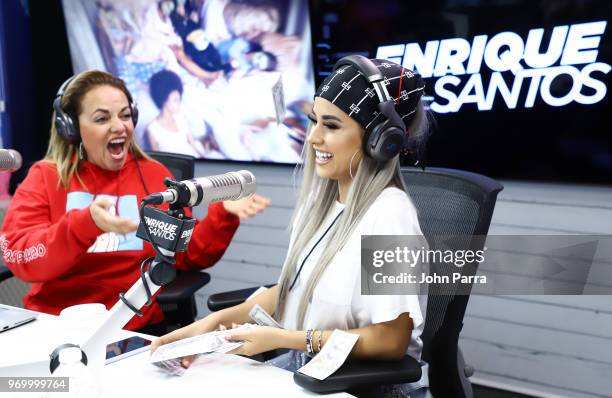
column 533, row 62
column 161, row 229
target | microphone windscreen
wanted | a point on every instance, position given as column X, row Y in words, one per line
column 10, row 160
column 249, row 184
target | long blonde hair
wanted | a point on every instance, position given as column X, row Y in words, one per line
column 65, row 155
column 317, row 196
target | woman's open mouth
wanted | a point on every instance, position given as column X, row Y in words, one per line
column 322, row 157
column 117, row 148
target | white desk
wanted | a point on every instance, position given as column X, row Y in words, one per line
column 210, row 375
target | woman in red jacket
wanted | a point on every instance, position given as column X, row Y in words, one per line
column 70, row 228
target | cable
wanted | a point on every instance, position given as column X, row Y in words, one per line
column 144, row 184
column 313, row 247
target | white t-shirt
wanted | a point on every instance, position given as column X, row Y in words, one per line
column 337, row 302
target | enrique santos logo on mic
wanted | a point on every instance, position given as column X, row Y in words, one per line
column 161, row 229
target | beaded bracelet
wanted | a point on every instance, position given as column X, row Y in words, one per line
column 309, row 342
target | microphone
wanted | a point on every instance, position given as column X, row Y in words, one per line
column 10, row 160
column 229, row 186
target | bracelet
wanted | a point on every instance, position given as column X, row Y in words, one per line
column 319, row 343
column 309, row 342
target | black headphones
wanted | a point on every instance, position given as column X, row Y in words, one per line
column 68, row 128
column 387, row 138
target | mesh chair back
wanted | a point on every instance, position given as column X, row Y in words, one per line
column 181, row 166
column 457, row 203
column 11, row 289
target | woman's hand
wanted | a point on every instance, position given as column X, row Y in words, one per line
column 257, row 340
column 102, row 213
column 247, row 207
column 197, row 328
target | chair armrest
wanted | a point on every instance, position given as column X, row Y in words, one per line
column 183, row 286
column 360, row 373
column 219, row 301
column 5, row 273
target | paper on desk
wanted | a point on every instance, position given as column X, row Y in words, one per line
column 332, row 355
column 202, row 344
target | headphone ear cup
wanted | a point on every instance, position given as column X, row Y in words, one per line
column 384, row 142
column 370, row 138
column 60, row 127
column 64, row 125
column 134, row 108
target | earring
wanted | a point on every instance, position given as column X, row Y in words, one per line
column 81, row 151
column 351, row 164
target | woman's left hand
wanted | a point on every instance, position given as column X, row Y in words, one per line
column 256, row 340
column 247, row 207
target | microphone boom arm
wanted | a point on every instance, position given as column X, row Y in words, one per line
column 168, row 232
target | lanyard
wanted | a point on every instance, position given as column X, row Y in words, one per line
column 312, row 249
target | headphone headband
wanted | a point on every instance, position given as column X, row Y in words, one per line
column 369, row 71
column 363, row 64
column 65, row 84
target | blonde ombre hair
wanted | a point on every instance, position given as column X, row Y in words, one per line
column 317, row 197
column 65, row 155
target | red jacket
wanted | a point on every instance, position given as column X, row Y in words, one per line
column 49, row 238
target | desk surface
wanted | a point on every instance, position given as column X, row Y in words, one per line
column 212, row 375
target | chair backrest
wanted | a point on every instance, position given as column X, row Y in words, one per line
column 11, row 289
column 449, row 203
column 181, row 166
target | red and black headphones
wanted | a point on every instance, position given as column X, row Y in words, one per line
column 388, row 137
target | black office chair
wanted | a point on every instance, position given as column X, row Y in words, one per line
column 13, row 289
column 177, row 299
column 5, row 273
column 448, row 202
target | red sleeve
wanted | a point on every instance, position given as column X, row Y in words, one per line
column 34, row 248
column 211, row 237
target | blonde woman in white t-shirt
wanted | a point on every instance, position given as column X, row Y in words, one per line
column 352, row 186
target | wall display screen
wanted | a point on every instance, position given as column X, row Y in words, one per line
column 216, row 79
column 518, row 89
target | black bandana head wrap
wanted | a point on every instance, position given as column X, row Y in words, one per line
column 350, row 91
